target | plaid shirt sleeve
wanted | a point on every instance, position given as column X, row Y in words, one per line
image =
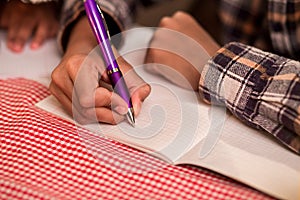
column 120, row 13
column 261, row 89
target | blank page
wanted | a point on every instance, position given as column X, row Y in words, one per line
column 252, row 157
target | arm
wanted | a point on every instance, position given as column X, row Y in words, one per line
column 259, row 88
column 118, row 15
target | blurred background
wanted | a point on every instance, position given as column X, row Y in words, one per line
column 203, row 10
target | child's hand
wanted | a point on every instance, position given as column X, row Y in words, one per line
column 75, row 81
column 182, row 46
column 24, row 21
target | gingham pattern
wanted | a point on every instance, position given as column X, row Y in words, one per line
column 44, row 157
column 260, row 88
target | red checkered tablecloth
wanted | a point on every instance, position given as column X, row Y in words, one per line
column 44, row 157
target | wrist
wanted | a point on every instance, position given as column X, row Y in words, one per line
column 82, row 39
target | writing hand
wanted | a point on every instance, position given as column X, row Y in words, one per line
column 75, row 82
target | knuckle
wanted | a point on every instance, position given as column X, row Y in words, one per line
column 147, row 89
column 55, row 75
column 52, row 89
column 75, row 60
column 84, row 102
column 165, row 22
column 180, row 14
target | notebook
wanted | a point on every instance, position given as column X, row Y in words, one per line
column 175, row 126
column 180, row 129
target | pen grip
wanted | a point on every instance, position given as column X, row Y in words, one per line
column 119, row 85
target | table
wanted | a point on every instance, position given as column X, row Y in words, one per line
column 44, row 157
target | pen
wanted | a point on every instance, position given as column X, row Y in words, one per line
column 100, row 30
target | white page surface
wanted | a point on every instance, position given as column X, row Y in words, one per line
column 252, row 157
column 32, row 64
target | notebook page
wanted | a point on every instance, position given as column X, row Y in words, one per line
column 172, row 120
column 252, row 157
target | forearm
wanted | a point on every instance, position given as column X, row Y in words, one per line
column 260, row 88
column 81, row 42
column 118, row 15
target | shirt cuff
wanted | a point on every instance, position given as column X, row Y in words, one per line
column 72, row 14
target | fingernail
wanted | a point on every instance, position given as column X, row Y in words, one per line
column 119, row 118
column 34, row 45
column 17, row 47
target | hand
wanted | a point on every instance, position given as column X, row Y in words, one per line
column 75, row 81
column 180, row 46
column 24, row 21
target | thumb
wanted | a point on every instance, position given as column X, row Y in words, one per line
column 138, row 97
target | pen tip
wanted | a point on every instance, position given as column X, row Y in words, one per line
column 130, row 117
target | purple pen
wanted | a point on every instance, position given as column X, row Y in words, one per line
column 100, row 30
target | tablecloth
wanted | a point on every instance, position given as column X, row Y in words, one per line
column 45, row 157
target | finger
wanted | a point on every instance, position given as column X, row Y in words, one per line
column 61, row 97
column 100, row 109
column 136, row 85
column 89, row 97
column 139, row 96
column 14, row 42
column 18, row 34
column 167, row 22
column 182, row 16
column 39, row 36
column 60, row 78
column 84, row 74
column 106, row 98
column 84, row 115
column 102, row 114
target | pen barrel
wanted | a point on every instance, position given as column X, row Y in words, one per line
column 100, row 30
column 119, row 85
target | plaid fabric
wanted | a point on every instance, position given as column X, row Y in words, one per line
column 270, row 25
column 260, row 88
column 284, row 27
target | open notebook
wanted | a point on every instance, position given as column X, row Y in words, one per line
column 178, row 128
column 174, row 126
